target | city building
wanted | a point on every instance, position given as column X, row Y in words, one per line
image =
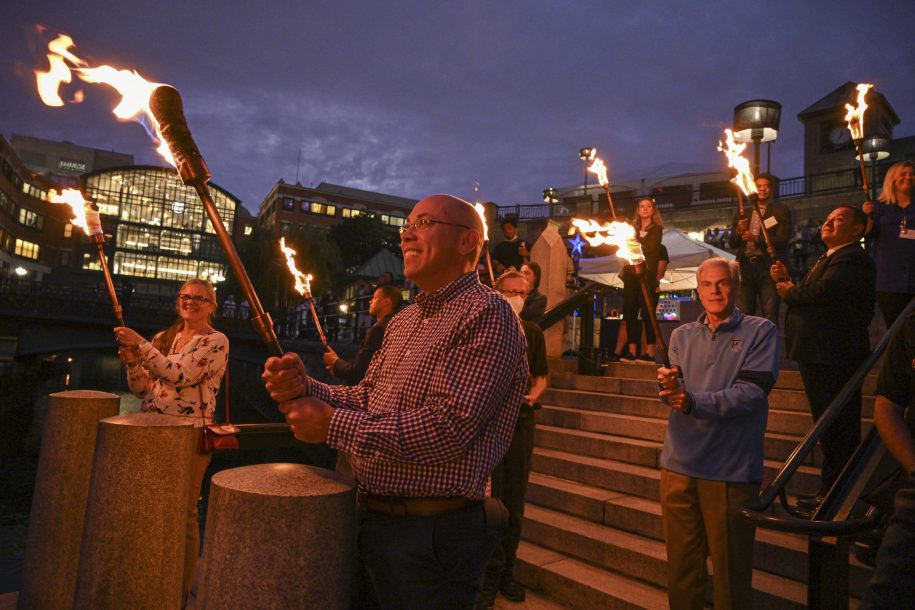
column 64, row 162
column 293, row 207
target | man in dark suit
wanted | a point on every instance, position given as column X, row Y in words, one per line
column 757, row 290
column 384, row 304
column 826, row 329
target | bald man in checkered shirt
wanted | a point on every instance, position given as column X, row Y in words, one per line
column 433, row 416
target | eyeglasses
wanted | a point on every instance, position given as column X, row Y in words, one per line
column 184, row 298
column 514, row 293
column 423, row 224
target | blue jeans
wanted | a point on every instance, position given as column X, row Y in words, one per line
column 893, row 583
column 428, row 562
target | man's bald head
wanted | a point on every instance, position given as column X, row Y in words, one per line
column 448, row 247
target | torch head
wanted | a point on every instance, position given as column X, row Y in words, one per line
column 165, row 104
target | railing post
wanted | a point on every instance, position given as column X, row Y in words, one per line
column 827, row 573
column 586, row 364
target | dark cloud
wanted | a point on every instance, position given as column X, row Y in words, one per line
column 415, row 97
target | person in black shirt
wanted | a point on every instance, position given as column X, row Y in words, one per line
column 384, row 304
column 512, row 252
column 509, row 478
column 535, row 303
column 648, row 231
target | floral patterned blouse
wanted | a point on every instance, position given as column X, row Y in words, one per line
column 183, row 383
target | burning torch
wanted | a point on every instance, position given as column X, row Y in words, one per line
column 160, row 107
column 482, row 212
column 303, row 287
column 87, row 218
column 629, row 250
column 855, row 118
column 600, row 170
column 746, row 185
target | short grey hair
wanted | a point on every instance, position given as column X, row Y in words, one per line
column 732, row 265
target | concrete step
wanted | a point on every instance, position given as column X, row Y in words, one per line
column 641, row 480
column 632, row 556
column 787, row 380
column 586, row 392
column 776, row 552
column 645, row 418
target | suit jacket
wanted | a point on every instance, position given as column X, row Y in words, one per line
column 353, row 372
column 780, row 234
column 829, row 312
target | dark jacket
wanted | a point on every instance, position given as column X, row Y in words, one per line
column 780, row 234
column 353, row 372
column 830, row 310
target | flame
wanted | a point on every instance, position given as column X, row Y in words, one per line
column 482, row 212
column 302, row 281
column 855, row 116
column 619, row 234
column 84, row 216
column 600, row 170
column 134, row 89
column 733, row 151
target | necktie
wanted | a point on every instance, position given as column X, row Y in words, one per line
column 813, row 269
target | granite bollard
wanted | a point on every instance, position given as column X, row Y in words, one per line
column 278, row 536
column 132, row 552
column 59, row 501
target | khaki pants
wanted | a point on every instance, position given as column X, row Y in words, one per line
column 700, row 520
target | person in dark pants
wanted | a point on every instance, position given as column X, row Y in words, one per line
column 649, row 230
column 757, row 290
column 432, row 417
column 893, row 583
column 509, row 479
column 826, row 330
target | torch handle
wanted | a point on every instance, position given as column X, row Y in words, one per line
column 314, row 314
column 259, row 318
column 492, row 277
column 109, row 282
column 865, row 186
column 610, row 201
column 742, row 211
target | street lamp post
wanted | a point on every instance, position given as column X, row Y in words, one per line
column 875, row 148
column 757, row 121
column 586, row 154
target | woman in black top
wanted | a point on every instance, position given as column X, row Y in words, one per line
column 535, row 303
column 648, row 231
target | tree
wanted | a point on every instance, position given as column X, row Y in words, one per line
column 361, row 237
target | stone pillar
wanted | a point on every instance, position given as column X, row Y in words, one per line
column 133, row 541
column 59, row 501
column 550, row 253
column 278, row 536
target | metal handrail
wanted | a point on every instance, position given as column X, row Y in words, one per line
column 830, row 518
column 574, row 301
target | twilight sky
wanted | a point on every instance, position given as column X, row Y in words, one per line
column 416, row 97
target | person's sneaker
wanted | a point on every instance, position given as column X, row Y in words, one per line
column 485, row 600
column 511, row 590
column 627, row 357
column 645, row 359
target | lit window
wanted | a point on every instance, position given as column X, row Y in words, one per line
column 68, row 230
column 330, row 210
column 26, row 249
column 288, row 204
column 31, row 219
column 248, row 229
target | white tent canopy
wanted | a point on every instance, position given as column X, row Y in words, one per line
column 685, row 256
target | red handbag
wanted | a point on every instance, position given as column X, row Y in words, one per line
column 219, row 437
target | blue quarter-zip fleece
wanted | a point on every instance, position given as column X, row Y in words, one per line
column 729, row 373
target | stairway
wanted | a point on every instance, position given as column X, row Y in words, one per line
column 592, row 524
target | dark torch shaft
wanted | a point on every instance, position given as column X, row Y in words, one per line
column 166, row 106
column 610, row 201
column 754, row 201
column 314, row 314
column 109, row 282
column 492, row 278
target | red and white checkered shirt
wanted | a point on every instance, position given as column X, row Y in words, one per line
column 437, row 408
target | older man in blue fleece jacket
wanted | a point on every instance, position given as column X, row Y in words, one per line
column 722, row 369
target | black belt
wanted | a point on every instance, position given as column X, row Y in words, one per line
column 412, row 507
column 753, row 259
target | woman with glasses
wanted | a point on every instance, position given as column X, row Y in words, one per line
column 178, row 374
